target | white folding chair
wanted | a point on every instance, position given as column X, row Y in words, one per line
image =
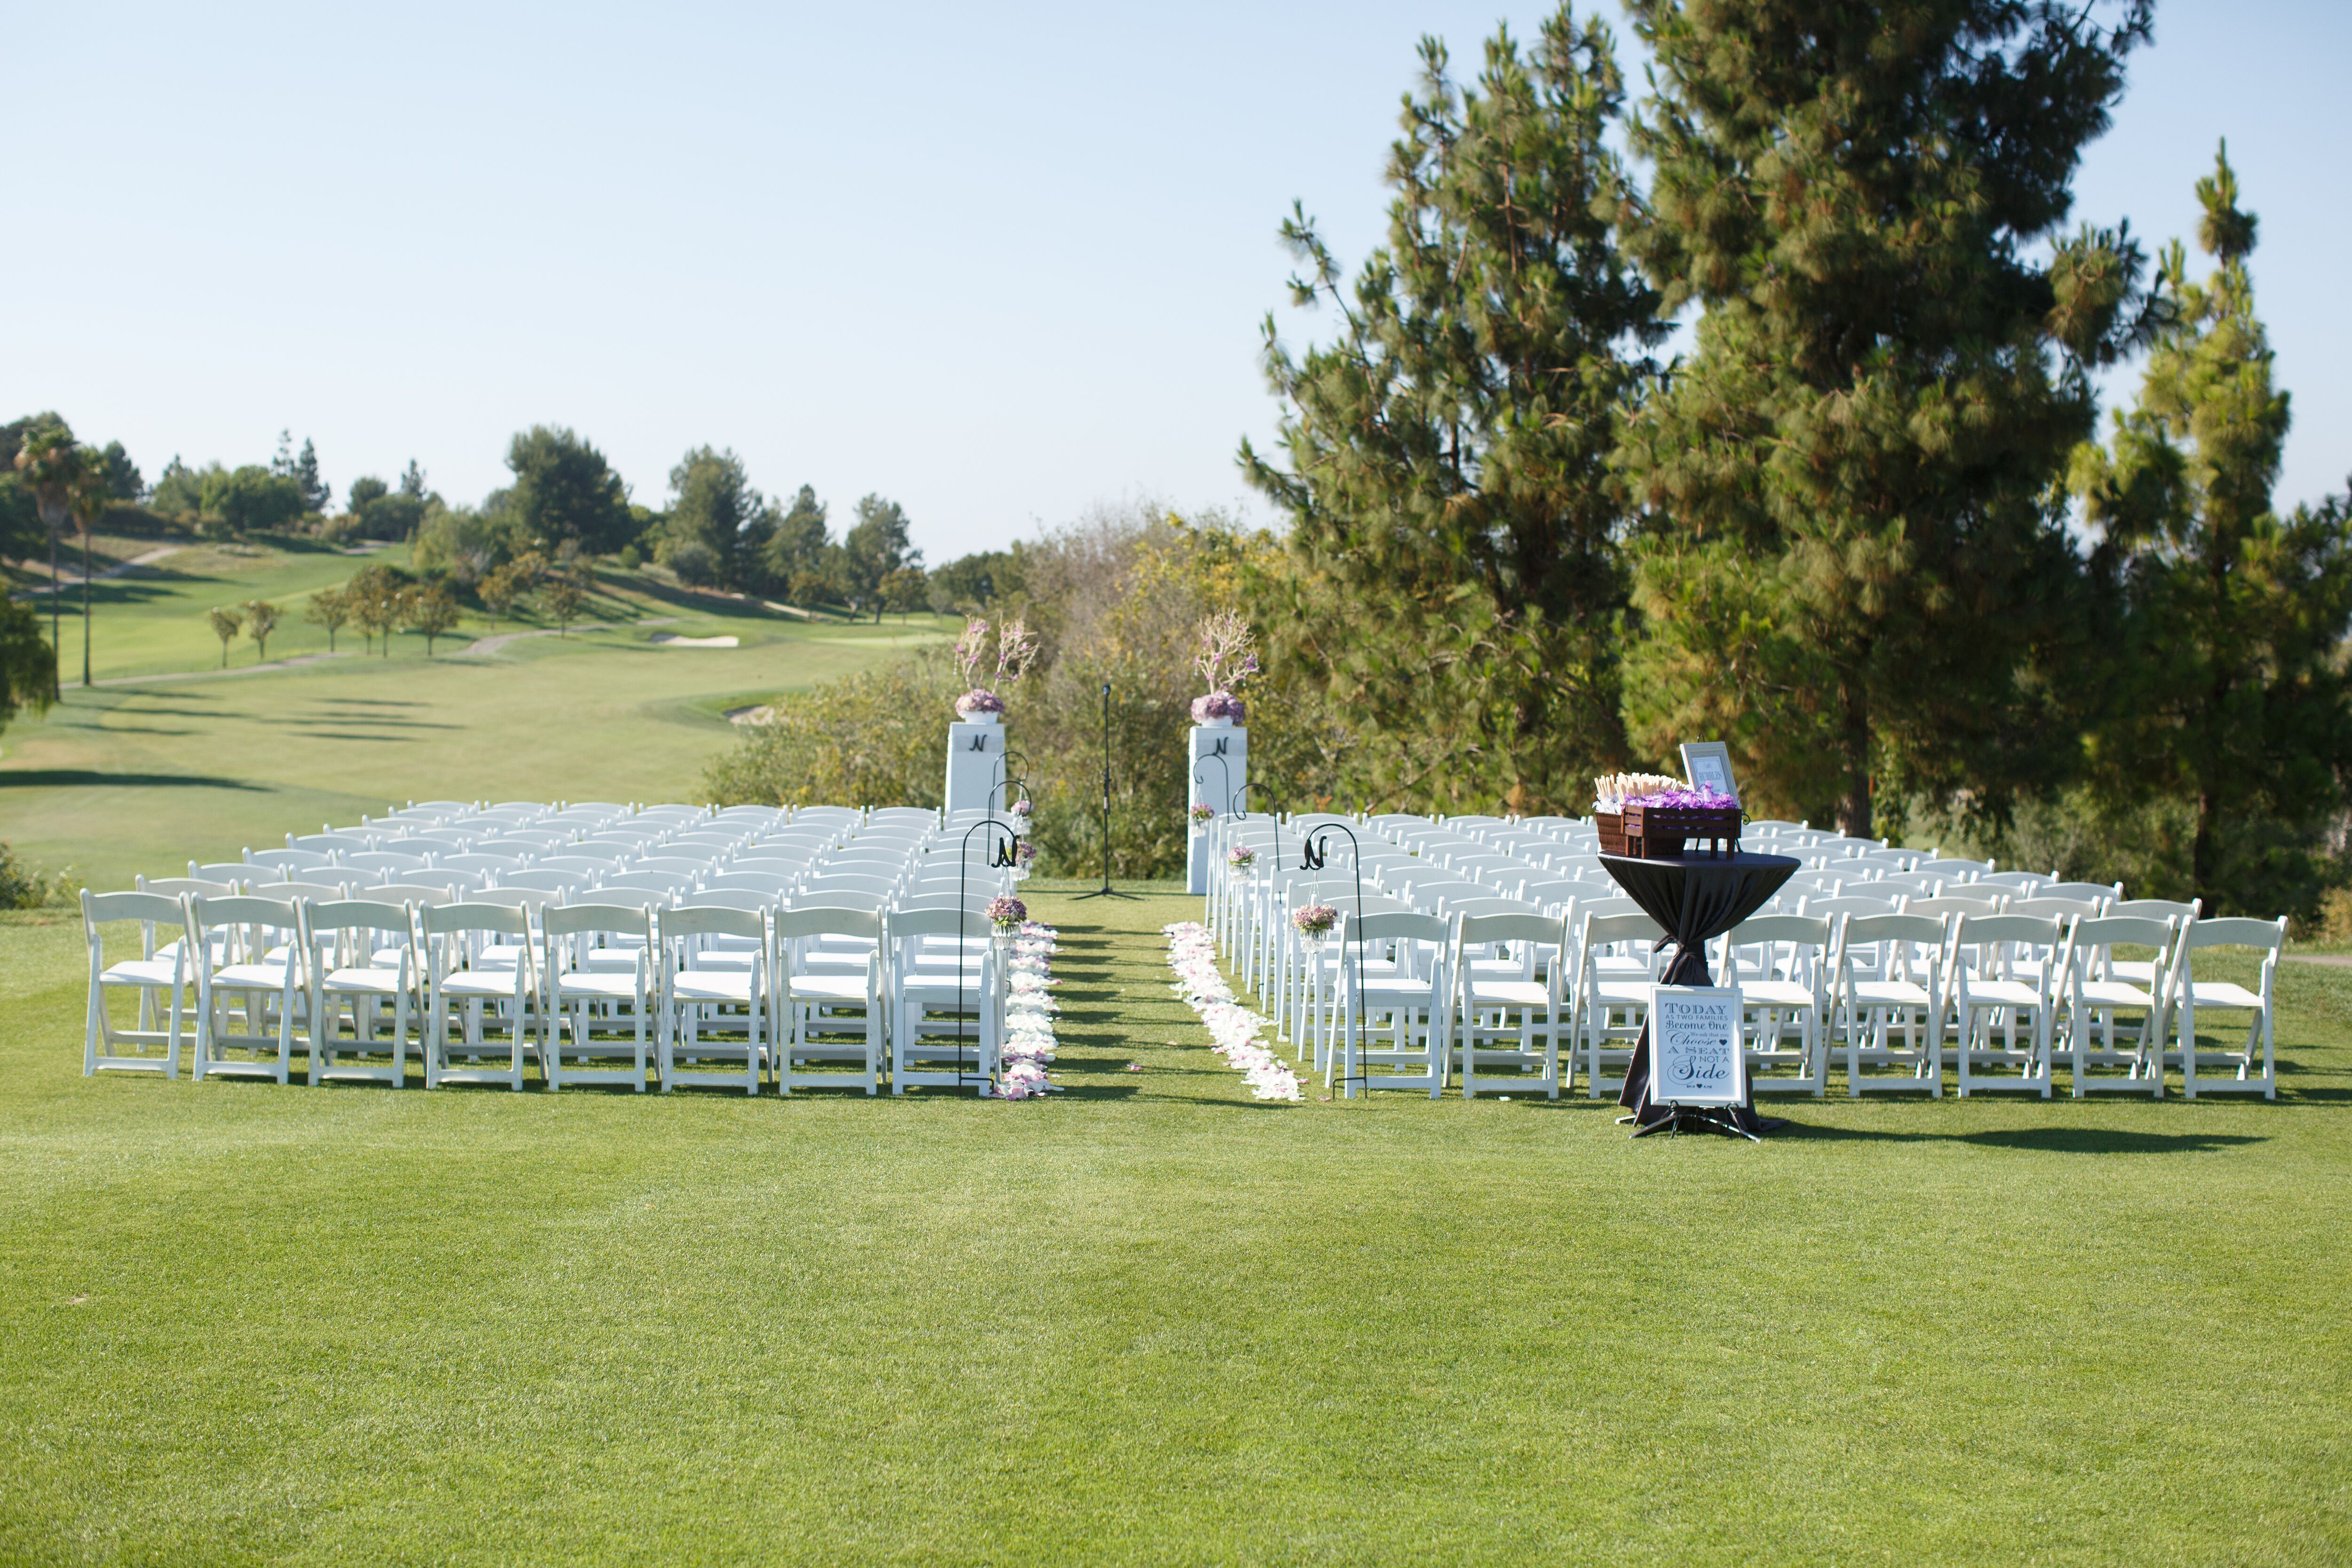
column 711, row 1013
column 1781, row 964
column 1486, row 1000
column 1612, row 1001
column 2190, row 995
column 2006, row 968
column 595, row 1013
column 457, row 939
column 827, row 1010
column 925, row 1001
column 1413, row 996
column 1889, row 974
column 348, row 939
column 161, row 982
column 252, row 972
column 2098, row 993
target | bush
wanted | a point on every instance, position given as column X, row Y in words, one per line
column 630, row 558
column 696, row 563
column 27, row 887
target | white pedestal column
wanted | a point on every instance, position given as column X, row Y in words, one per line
column 1219, row 770
column 976, row 766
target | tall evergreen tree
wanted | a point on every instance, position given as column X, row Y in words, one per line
column 715, row 506
column 1853, row 477
column 1448, row 454
column 317, row 494
column 797, row 548
column 2233, row 692
column 876, row 546
column 563, row 491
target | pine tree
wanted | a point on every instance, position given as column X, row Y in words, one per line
column 1858, row 540
column 317, row 494
column 1453, row 521
column 2232, row 690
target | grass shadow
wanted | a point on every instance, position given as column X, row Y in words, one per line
column 2041, row 1140
column 83, row 777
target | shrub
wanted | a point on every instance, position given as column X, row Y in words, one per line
column 23, row 887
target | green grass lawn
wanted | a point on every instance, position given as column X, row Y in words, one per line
column 170, row 759
column 1153, row 1320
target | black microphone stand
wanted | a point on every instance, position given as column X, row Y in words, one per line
column 1105, row 890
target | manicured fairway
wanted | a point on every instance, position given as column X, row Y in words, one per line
column 175, row 760
column 1153, row 1321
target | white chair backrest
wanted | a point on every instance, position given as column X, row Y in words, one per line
column 2157, row 908
column 173, row 887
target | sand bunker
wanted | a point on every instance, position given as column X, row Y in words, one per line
column 664, row 639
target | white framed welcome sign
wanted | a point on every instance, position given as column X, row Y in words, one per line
column 1694, row 1054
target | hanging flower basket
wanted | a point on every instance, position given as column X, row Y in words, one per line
column 1240, row 857
column 1203, row 814
column 1006, row 913
column 1314, row 922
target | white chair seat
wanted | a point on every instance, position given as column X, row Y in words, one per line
column 157, row 971
column 1775, row 994
column 367, row 982
column 478, row 983
column 2224, row 994
column 587, row 985
column 250, row 977
column 1508, row 993
column 711, row 986
column 1621, row 994
column 1890, row 993
column 2113, row 993
column 1996, row 993
column 830, row 987
column 2138, row 970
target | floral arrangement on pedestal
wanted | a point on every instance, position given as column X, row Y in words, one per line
column 1228, row 656
column 1016, row 650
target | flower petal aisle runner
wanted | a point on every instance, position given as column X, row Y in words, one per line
column 1029, row 1015
column 1193, row 954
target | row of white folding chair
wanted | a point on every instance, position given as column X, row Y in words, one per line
column 586, row 1008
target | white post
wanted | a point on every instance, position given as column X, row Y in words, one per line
column 976, row 766
column 1220, row 763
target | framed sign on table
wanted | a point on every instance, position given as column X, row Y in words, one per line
column 1707, row 765
column 1696, row 1059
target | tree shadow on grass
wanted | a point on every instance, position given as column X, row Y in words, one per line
column 2042, row 1140
column 84, row 778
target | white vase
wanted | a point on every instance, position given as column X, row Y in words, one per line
column 982, row 718
column 1223, row 722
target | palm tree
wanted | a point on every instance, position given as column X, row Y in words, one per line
column 49, row 460
column 87, row 498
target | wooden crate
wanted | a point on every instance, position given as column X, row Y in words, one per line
column 1661, row 832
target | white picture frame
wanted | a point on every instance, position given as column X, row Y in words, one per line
column 1695, row 1054
column 1708, row 763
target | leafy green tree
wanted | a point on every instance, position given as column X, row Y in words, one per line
column 716, row 508
column 226, row 623
column 432, row 610
column 796, row 546
column 329, row 608
column 20, row 517
column 123, row 480
column 506, row 584
column 977, row 581
column 564, row 590
column 876, row 546
column 260, row 620
column 1448, row 454
column 180, row 489
column 2232, row 691
column 563, row 489
column 49, row 462
column 905, row 590
column 1857, row 551
column 364, row 489
column 251, row 500
column 374, row 595
column 85, row 501
column 28, row 663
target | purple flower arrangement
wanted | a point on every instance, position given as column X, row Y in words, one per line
column 1220, row 705
column 1203, row 814
column 1006, row 912
column 979, row 700
column 1315, row 921
column 1241, row 857
column 1705, row 798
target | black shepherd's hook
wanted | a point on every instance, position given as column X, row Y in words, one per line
column 1313, row 854
column 1225, row 768
column 1000, row 855
column 1006, row 779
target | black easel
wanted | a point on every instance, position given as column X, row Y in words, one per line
column 1105, row 890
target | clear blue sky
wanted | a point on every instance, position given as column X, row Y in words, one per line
column 996, row 263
